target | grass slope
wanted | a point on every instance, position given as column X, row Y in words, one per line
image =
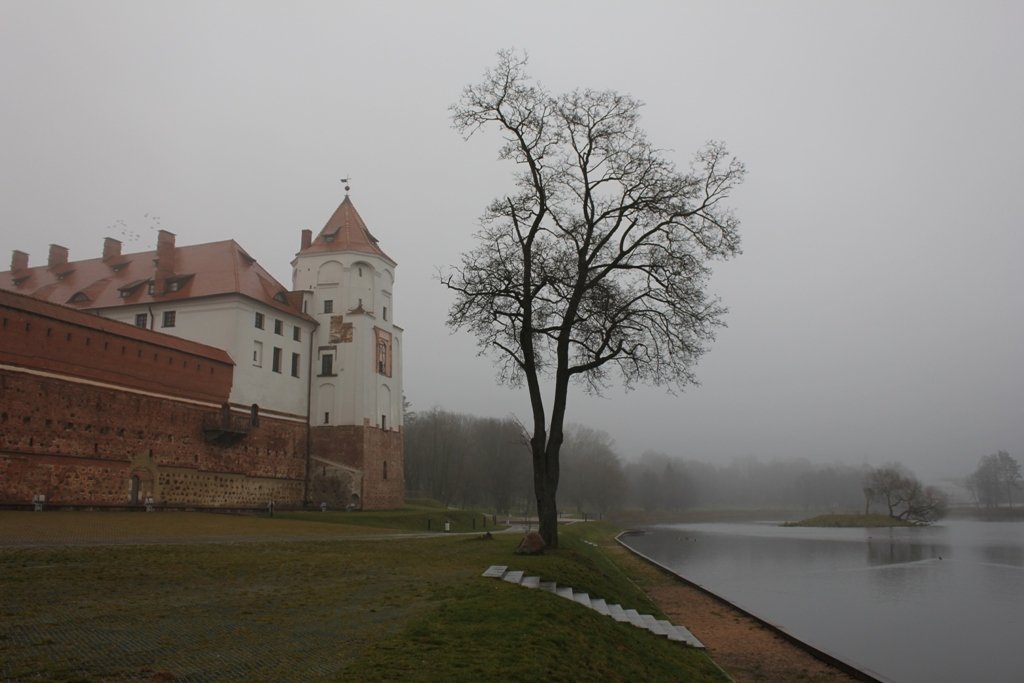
column 156, row 606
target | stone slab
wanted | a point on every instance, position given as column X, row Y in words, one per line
column 496, row 571
column 564, row 592
column 548, row 586
column 582, row 598
column 530, row 582
column 514, row 576
column 616, row 613
column 599, row 606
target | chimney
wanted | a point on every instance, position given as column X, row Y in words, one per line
column 111, row 248
column 164, row 260
column 19, row 260
column 307, row 239
column 58, row 256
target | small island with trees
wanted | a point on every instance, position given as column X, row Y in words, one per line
column 906, row 500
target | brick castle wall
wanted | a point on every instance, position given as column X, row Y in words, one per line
column 89, row 406
column 376, row 452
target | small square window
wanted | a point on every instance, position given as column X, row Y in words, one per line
column 170, row 317
column 259, row 320
column 278, row 327
column 141, row 320
column 328, row 305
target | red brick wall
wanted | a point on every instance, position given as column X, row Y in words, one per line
column 85, row 404
column 79, row 443
column 366, row 449
column 29, row 339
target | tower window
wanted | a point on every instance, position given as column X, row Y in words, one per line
column 328, row 305
column 259, row 320
column 278, row 326
column 276, row 360
column 295, row 365
column 327, row 364
column 297, row 333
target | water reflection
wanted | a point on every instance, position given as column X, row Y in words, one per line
column 906, row 603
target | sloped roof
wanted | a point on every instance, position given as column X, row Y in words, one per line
column 201, row 270
column 346, row 231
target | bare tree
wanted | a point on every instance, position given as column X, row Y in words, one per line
column 904, row 495
column 596, row 264
column 997, row 475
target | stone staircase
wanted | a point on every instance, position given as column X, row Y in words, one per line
column 659, row 627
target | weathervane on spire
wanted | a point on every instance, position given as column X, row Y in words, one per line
column 347, row 188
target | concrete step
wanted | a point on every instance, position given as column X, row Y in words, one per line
column 634, row 618
column 681, row 634
column 653, row 626
column 515, row 577
column 616, row 613
column 660, row 627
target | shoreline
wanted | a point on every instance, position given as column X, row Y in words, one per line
column 749, row 648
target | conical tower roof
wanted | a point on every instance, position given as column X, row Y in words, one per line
column 346, row 231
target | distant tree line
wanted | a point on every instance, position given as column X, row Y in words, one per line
column 468, row 461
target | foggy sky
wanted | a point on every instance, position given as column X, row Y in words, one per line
column 875, row 314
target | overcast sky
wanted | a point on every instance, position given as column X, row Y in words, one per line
column 876, row 314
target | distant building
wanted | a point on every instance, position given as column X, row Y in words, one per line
column 190, row 375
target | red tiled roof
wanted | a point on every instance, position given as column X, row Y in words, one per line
column 200, row 270
column 67, row 314
column 346, row 231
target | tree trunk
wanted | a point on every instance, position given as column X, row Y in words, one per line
column 545, row 486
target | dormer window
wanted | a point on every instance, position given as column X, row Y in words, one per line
column 78, row 298
column 280, row 296
column 151, row 288
column 18, row 281
column 329, row 238
column 173, row 285
column 64, row 274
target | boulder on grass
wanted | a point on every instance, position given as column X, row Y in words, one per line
column 532, row 544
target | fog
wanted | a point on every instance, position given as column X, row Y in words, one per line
column 875, row 314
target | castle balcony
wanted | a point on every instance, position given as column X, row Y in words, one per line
column 225, row 429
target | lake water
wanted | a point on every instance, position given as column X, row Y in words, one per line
column 909, row 605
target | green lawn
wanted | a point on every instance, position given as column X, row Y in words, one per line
column 331, row 606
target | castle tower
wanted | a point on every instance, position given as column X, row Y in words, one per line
column 356, row 384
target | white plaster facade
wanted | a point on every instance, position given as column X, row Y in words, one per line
column 357, row 361
column 231, row 322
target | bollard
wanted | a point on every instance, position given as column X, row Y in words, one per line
column 474, row 524
column 447, row 526
column 149, row 503
column 428, row 524
column 37, row 502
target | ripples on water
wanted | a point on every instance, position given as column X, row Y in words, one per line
column 927, row 604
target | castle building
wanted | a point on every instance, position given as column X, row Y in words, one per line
column 232, row 390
